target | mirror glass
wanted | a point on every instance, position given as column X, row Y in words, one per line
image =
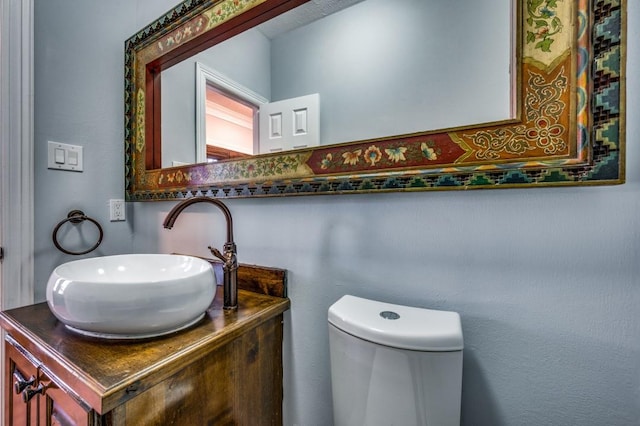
column 374, row 68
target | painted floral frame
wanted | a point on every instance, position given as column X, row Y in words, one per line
column 569, row 128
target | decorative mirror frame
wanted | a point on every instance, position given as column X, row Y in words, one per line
column 568, row 128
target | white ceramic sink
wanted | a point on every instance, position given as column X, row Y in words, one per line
column 131, row 296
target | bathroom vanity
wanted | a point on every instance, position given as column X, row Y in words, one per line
column 226, row 369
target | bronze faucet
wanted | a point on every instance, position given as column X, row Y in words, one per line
column 229, row 257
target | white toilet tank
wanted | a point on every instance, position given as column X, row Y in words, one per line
column 394, row 365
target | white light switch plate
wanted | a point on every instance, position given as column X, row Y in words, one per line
column 62, row 156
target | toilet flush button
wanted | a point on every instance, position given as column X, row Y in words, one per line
column 390, row 315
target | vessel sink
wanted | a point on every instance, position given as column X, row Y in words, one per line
column 131, row 296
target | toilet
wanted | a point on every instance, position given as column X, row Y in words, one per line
column 394, row 365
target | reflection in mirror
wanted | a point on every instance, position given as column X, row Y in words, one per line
column 226, row 117
column 184, row 92
column 410, row 66
column 230, row 125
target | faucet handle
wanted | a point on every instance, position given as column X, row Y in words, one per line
column 214, row 251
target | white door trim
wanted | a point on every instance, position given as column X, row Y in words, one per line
column 205, row 75
column 16, row 152
column 16, row 159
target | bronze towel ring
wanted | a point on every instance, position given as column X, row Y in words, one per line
column 75, row 217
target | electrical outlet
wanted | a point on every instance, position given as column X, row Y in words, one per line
column 116, row 210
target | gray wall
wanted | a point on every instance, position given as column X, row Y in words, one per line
column 79, row 87
column 546, row 280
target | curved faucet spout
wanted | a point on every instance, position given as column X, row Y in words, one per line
column 175, row 212
column 228, row 257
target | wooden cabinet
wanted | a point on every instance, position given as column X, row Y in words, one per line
column 227, row 369
column 32, row 397
column 59, row 407
column 21, row 375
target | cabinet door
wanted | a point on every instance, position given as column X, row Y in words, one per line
column 59, row 408
column 21, row 375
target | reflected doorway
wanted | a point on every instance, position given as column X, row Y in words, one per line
column 227, row 117
column 231, row 125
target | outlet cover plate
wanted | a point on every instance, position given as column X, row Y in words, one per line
column 116, row 210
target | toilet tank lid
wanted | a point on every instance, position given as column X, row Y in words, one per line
column 397, row 326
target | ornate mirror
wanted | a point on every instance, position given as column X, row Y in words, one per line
column 533, row 97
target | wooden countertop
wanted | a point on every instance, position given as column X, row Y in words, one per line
column 106, row 373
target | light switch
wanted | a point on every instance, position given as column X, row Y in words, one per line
column 62, row 156
column 59, row 155
column 73, row 158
